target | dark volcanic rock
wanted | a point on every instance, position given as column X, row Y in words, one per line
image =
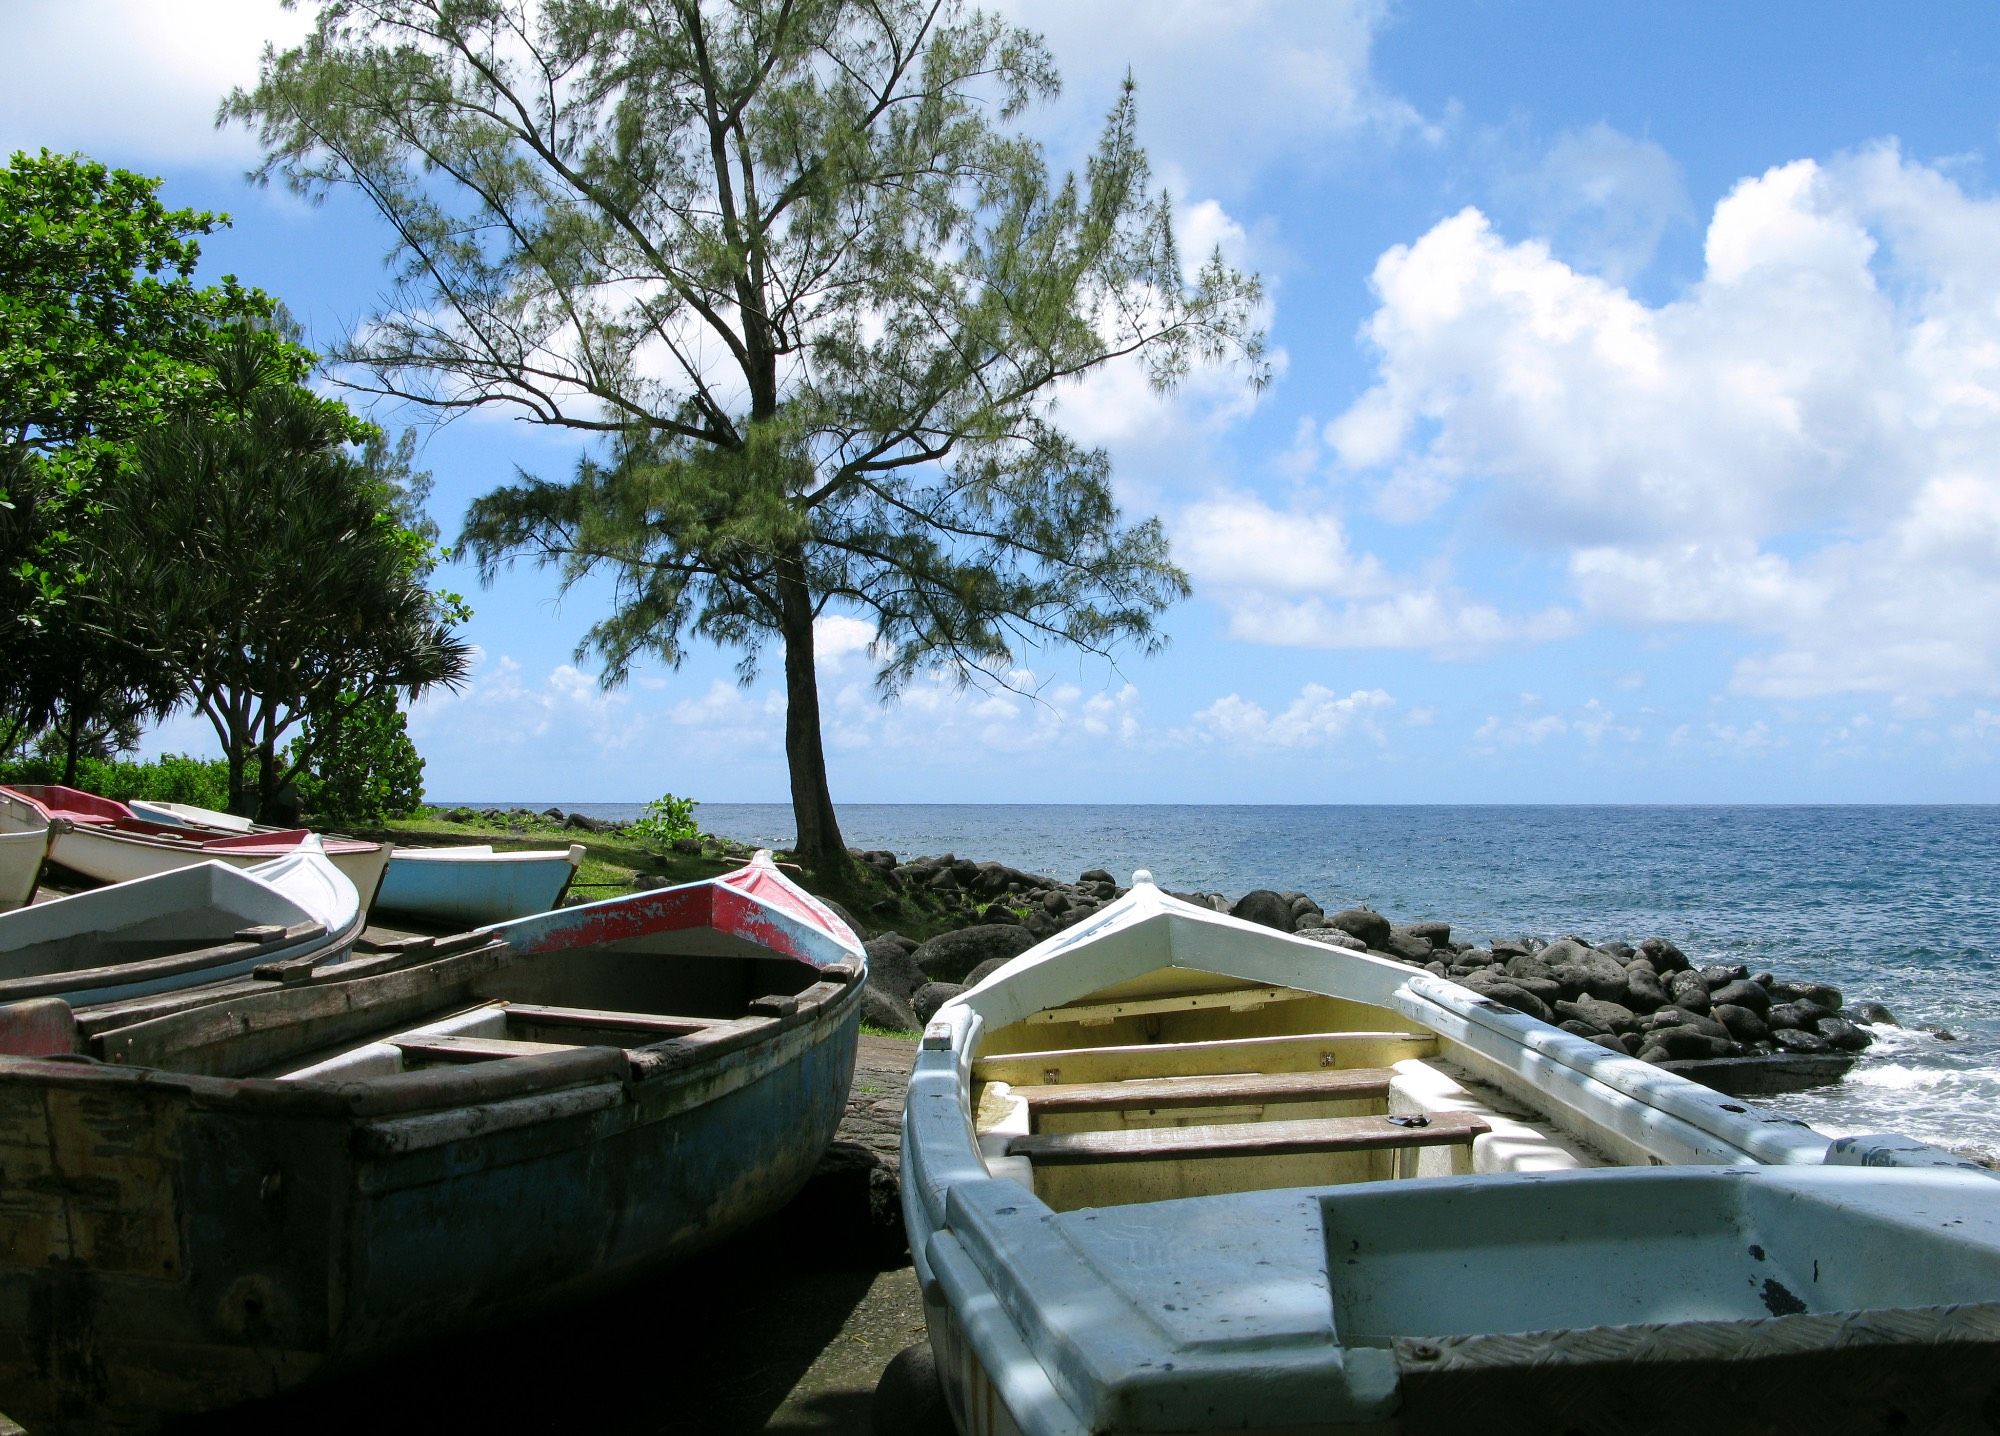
column 1694, row 1021
column 1333, row 937
column 1719, row 975
column 1605, row 1016
column 1842, row 1035
column 1872, row 1013
column 926, row 1000
column 1518, row 998
column 1683, row 1042
column 1265, row 908
column 880, row 1008
column 891, row 966
column 1688, row 990
column 1741, row 993
column 1403, row 943
column 1817, row 993
column 1743, row 1022
column 949, row 956
column 1664, row 955
column 1793, row 1040
column 1363, row 922
column 1802, row 1015
column 1437, row 934
column 1647, row 991
column 985, row 970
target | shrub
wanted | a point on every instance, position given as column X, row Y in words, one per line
column 667, row 818
column 365, row 768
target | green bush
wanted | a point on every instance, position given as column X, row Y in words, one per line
column 667, row 818
column 365, row 768
column 175, row 778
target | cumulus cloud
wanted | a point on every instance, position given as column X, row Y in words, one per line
column 1602, row 197
column 1317, row 718
column 1804, row 446
column 1531, row 727
column 509, row 711
column 133, row 81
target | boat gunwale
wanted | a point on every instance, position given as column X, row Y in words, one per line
column 434, row 1088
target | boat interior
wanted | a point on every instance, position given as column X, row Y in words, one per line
column 1185, row 1083
column 426, row 1005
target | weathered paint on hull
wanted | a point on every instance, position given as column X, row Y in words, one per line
column 177, row 1256
column 475, row 891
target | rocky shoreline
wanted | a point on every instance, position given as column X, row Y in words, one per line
column 1645, row 1000
column 1749, row 1032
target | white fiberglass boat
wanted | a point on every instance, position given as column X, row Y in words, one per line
column 1169, row 1171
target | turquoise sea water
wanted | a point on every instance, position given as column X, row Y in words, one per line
column 1896, row 904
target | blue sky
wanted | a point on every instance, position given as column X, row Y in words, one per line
column 1635, row 434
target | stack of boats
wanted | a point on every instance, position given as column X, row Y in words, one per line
column 235, row 1158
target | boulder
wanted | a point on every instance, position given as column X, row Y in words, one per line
column 1510, row 995
column 1793, row 1040
column 1741, row 993
column 1681, row 1043
column 1333, row 937
column 1872, row 1013
column 1308, row 919
column 583, row 823
column 1578, row 1027
column 1401, row 943
column 1437, row 934
column 1596, row 974
column 1664, row 955
column 949, row 956
column 1265, row 908
column 1744, row 1023
column 1511, row 946
column 985, row 970
column 1676, row 1017
column 1717, row 976
column 891, row 965
column 1688, row 990
column 1609, row 1043
column 1527, row 964
column 1605, row 1016
column 909, row 1399
column 1801, row 1015
column 1842, row 1035
column 1644, row 985
column 1817, row 993
column 1098, row 875
column 880, row 1008
column 1302, row 906
column 1363, row 922
column 926, row 1000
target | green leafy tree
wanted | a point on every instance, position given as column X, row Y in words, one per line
column 791, row 260
column 359, row 763
column 103, row 332
column 262, row 558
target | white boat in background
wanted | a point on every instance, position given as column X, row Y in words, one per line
column 24, row 843
column 195, row 924
column 107, row 841
column 473, row 885
column 188, row 815
column 1169, row 1171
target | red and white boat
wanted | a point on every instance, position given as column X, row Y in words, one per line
column 105, row 840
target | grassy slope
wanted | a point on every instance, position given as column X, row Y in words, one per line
column 612, row 860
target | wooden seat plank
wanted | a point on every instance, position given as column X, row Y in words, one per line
column 654, row 1025
column 472, row 1049
column 1246, row 1139
column 1305, row 1051
column 1326, row 1084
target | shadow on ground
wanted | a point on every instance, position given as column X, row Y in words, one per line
column 785, row 1328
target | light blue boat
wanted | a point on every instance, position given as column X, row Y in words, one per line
column 473, row 885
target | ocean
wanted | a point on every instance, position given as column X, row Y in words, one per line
column 1899, row 905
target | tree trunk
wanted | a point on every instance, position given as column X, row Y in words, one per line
column 819, row 842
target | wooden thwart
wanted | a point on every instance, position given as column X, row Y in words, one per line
column 1298, row 1052
column 653, row 1025
column 1333, row 1083
column 1246, row 1139
column 471, row 1049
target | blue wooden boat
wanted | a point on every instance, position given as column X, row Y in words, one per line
column 264, row 1183
column 472, row 884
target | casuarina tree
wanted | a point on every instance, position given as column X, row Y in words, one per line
column 796, row 263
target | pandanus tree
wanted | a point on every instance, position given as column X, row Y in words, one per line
column 264, row 564
column 793, row 263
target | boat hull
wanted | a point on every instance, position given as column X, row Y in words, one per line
column 475, row 886
column 245, row 1237
column 21, row 857
column 111, row 855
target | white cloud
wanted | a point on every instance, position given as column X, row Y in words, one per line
column 1530, row 727
column 1603, row 198
column 1804, row 446
column 135, row 81
column 1317, row 718
column 837, row 638
column 507, row 711
column 1443, row 622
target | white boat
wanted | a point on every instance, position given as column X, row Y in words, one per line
column 192, row 925
column 473, row 885
column 1171, row 1171
column 108, row 842
column 24, row 843
column 188, row 815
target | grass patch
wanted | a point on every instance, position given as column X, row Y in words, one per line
column 869, row 1029
column 613, row 861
